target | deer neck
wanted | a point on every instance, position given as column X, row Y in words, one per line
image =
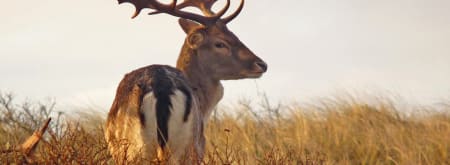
column 206, row 89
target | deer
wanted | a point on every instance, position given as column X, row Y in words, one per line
column 159, row 112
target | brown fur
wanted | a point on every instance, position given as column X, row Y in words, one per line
column 204, row 70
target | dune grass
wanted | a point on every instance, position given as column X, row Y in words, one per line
column 338, row 130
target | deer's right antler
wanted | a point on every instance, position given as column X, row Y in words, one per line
column 172, row 9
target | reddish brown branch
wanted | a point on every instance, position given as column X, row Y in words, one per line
column 30, row 144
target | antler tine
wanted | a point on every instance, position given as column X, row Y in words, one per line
column 222, row 12
column 204, row 5
column 236, row 13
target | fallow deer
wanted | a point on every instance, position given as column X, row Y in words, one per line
column 159, row 112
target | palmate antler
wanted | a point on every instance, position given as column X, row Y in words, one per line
column 205, row 6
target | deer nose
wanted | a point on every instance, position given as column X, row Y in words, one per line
column 262, row 65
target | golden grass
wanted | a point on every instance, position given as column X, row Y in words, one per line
column 328, row 131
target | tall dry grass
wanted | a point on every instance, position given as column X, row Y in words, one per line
column 339, row 130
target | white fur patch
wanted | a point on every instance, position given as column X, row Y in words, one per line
column 180, row 133
column 148, row 108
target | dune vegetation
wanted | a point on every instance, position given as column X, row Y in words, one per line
column 334, row 130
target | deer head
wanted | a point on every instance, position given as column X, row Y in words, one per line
column 209, row 46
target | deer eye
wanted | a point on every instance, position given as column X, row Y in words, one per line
column 219, row 45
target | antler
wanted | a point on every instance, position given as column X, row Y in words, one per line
column 206, row 5
column 173, row 9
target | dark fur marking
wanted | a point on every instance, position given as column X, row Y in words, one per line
column 142, row 118
column 162, row 89
column 141, row 113
column 188, row 103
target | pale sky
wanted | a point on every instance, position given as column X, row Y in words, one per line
column 78, row 51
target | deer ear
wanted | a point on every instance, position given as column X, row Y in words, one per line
column 188, row 25
column 195, row 39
